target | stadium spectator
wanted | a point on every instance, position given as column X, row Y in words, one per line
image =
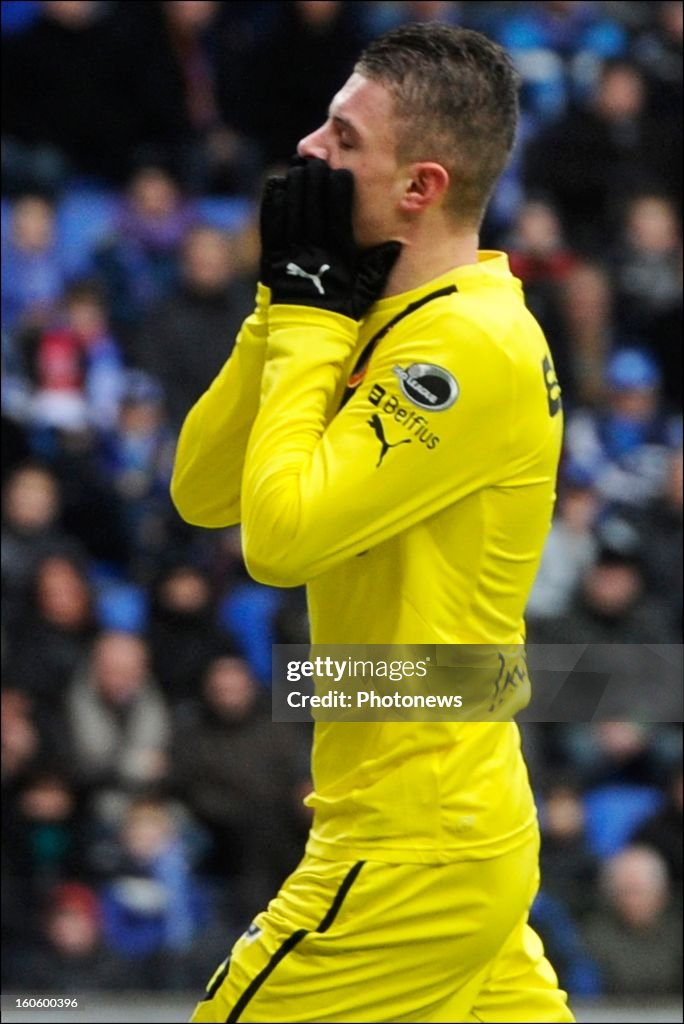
column 138, row 263
column 72, row 96
column 46, row 841
column 53, row 637
column 539, row 256
column 241, row 776
column 636, row 935
column 625, row 447
column 658, row 51
column 592, row 159
column 15, row 392
column 185, row 340
column 91, row 516
column 252, row 616
column 557, row 47
column 183, row 635
column 33, row 276
column 657, row 531
column 136, row 458
column 32, row 509
column 568, row 866
column 570, row 550
column 23, row 751
column 192, row 97
column 153, row 907
column 663, row 832
column 589, row 317
column 68, row 954
column 118, row 723
column 87, row 316
column 647, row 282
column 21, row 740
column 623, row 753
column 76, row 368
column 611, row 606
column 324, row 38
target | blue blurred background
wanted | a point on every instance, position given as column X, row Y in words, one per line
column 151, row 807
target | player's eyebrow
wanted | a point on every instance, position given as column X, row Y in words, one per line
column 343, row 122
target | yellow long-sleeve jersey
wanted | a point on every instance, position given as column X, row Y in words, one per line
column 415, row 511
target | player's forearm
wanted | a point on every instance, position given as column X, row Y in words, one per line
column 301, row 383
column 322, row 286
column 207, row 473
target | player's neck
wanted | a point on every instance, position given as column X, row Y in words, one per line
column 423, row 259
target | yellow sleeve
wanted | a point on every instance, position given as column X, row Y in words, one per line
column 317, row 489
column 205, row 486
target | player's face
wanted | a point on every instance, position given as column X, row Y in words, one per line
column 359, row 135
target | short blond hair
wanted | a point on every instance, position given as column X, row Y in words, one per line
column 456, row 103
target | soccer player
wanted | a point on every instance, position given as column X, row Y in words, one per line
column 387, row 431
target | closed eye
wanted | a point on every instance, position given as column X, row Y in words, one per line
column 345, row 132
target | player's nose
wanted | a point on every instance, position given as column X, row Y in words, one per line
column 313, row 145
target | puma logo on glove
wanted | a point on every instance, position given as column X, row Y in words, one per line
column 296, row 271
column 306, row 221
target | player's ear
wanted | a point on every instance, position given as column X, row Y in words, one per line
column 428, row 183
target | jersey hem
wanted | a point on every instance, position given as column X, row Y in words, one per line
column 483, row 849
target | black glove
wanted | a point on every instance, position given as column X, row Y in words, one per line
column 309, row 257
column 272, row 225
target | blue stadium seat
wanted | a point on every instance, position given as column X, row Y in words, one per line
column 18, row 15
column 122, row 607
column 247, row 613
column 614, row 813
column 84, row 218
column 227, row 214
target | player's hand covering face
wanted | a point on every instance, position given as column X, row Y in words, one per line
column 309, row 256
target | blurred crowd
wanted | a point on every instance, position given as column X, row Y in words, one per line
column 151, row 806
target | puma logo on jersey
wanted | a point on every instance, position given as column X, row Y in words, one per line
column 376, row 423
column 296, row 271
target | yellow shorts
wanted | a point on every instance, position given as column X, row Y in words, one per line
column 370, row 941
